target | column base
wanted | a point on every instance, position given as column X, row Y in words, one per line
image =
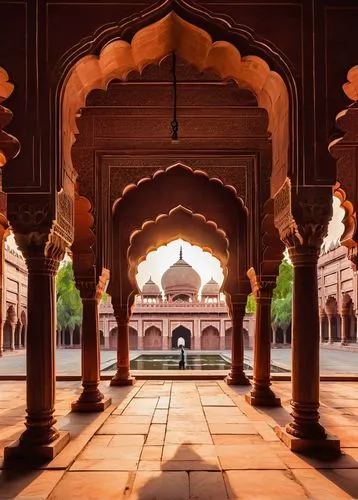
column 35, row 453
column 239, row 379
column 90, row 406
column 262, row 401
column 328, row 447
column 120, row 381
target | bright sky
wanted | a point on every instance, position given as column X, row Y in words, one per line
column 159, row 261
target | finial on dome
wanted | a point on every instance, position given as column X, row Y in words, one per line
column 181, row 253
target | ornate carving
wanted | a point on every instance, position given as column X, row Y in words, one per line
column 64, row 225
column 9, row 145
column 261, row 289
column 302, row 216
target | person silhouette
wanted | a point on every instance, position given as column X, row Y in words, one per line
column 182, row 359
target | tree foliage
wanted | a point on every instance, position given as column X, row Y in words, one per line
column 281, row 310
column 69, row 304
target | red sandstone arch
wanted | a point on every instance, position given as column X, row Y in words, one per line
column 178, row 185
column 9, row 145
column 344, row 149
column 210, row 338
column 152, row 338
column 155, row 41
column 179, row 223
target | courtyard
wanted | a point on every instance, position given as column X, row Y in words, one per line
column 176, row 440
column 68, row 361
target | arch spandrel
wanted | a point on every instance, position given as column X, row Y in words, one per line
column 151, row 44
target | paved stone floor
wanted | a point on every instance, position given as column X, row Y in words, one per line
column 180, row 440
column 68, row 361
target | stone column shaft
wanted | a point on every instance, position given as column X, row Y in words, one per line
column 261, row 394
column 91, row 398
column 305, row 345
column 237, row 375
column 122, row 377
column 330, row 329
column 345, row 327
column 40, row 353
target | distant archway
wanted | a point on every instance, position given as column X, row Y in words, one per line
column 101, row 338
column 7, row 335
column 133, row 339
column 152, row 338
column 181, row 332
column 113, row 335
column 210, row 338
column 228, row 338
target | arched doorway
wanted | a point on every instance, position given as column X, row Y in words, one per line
column 133, row 339
column 181, row 333
column 210, row 338
column 113, row 335
column 245, row 334
column 228, row 338
column 101, row 338
column 152, row 338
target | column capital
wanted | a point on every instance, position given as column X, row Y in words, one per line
column 262, row 289
column 87, row 288
column 302, row 215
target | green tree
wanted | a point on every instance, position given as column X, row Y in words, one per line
column 251, row 304
column 69, row 304
column 281, row 310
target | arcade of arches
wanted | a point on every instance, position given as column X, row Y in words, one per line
column 118, row 157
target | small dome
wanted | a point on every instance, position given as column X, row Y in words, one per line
column 181, row 278
column 151, row 288
column 210, row 288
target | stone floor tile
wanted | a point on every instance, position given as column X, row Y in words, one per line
column 323, row 485
column 220, row 400
column 163, row 402
column 232, row 429
column 347, row 435
column 266, row 431
column 104, row 465
column 151, row 453
column 114, row 452
column 173, row 437
column 91, row 486
column 156, row 434
column 188, row 452
column 269, row 484
column 207, row 486
column 237, row 439
column 160, row 416
column 130, row 440
column 160, row 486
column 173, row 425
column 113, row 426
column 36, row 485
column 209, row 464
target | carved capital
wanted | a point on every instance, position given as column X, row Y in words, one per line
column 262, row 289
column 302, row 215
column 121, row 314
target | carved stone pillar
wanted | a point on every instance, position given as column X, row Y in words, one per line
column 322, row 317
column 330, row 328
column 41, row 439
column 305, row 345
column 261, row 394
column 301, row 216
column 237, row 375
column 12, row 339
column 345, row 326
column 91, row 399
column 122, row 377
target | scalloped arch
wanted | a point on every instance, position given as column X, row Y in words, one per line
column 215, row 180
column 153, row 42
column 9, row 145
column 350, row 217
column 180, row 222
